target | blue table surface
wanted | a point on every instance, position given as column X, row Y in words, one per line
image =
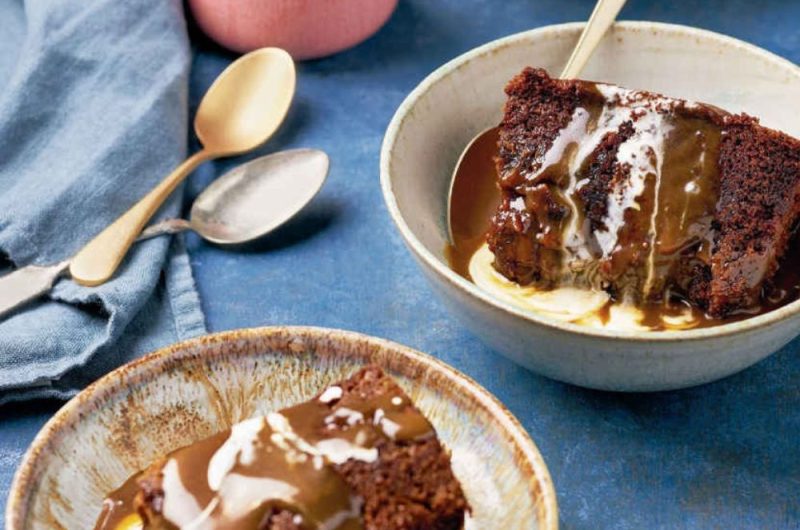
column 724, row 455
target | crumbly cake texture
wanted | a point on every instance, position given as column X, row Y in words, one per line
column 758, row 207
column 409, row 487
column 758, row 187
column 535, row 112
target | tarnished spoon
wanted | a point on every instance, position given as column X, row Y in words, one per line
column 604, row 14
column 246, row 203
column 253, row 199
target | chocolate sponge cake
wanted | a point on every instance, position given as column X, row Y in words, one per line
column 357, row 456
column 640, row 195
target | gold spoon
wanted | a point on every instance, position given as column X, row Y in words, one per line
column 240, row 111
column 604, row 14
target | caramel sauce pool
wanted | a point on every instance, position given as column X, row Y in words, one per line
column 283, row 461
column 476, row 197
column 474, row 201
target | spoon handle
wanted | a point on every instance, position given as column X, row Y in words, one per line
column 167, row 226
column 604, row 14
column 95, row 263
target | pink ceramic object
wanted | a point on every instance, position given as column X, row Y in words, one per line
column 305, row 28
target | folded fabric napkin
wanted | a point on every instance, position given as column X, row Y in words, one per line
column 93, row 113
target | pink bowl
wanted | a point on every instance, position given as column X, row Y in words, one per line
column 307, row 29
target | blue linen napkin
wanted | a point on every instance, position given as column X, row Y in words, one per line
column 93, row 113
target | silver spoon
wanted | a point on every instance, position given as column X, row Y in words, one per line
column 604, row 14
column 253, row 199
column 244, row 204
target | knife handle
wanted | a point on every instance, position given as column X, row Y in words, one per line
column 26, row 284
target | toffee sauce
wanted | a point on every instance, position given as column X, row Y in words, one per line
column 476, row 196
column 284, row 461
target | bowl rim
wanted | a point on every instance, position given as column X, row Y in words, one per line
column 155, row 363
column 446, row 273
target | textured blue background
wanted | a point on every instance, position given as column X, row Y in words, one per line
column 725, row 455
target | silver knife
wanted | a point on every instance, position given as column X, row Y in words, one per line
column 28, row 283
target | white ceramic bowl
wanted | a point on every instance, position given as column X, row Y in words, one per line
column 465, row 96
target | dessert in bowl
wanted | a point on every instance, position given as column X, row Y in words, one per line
column 628, row 210
column 357, row 455
column 638, row 239
column 283, row 428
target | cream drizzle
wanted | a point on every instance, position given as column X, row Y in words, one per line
column 181, row 507
column 335, row 450
column 241, row 492
column 238, row 447
column 331, row 394
column 574, row 238
column 567, row 304
column 642, row 153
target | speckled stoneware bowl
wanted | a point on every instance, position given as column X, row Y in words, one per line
column 465, row 96
column 186, row 392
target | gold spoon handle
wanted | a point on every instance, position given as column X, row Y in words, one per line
column 97, row 261
column 604, row 14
